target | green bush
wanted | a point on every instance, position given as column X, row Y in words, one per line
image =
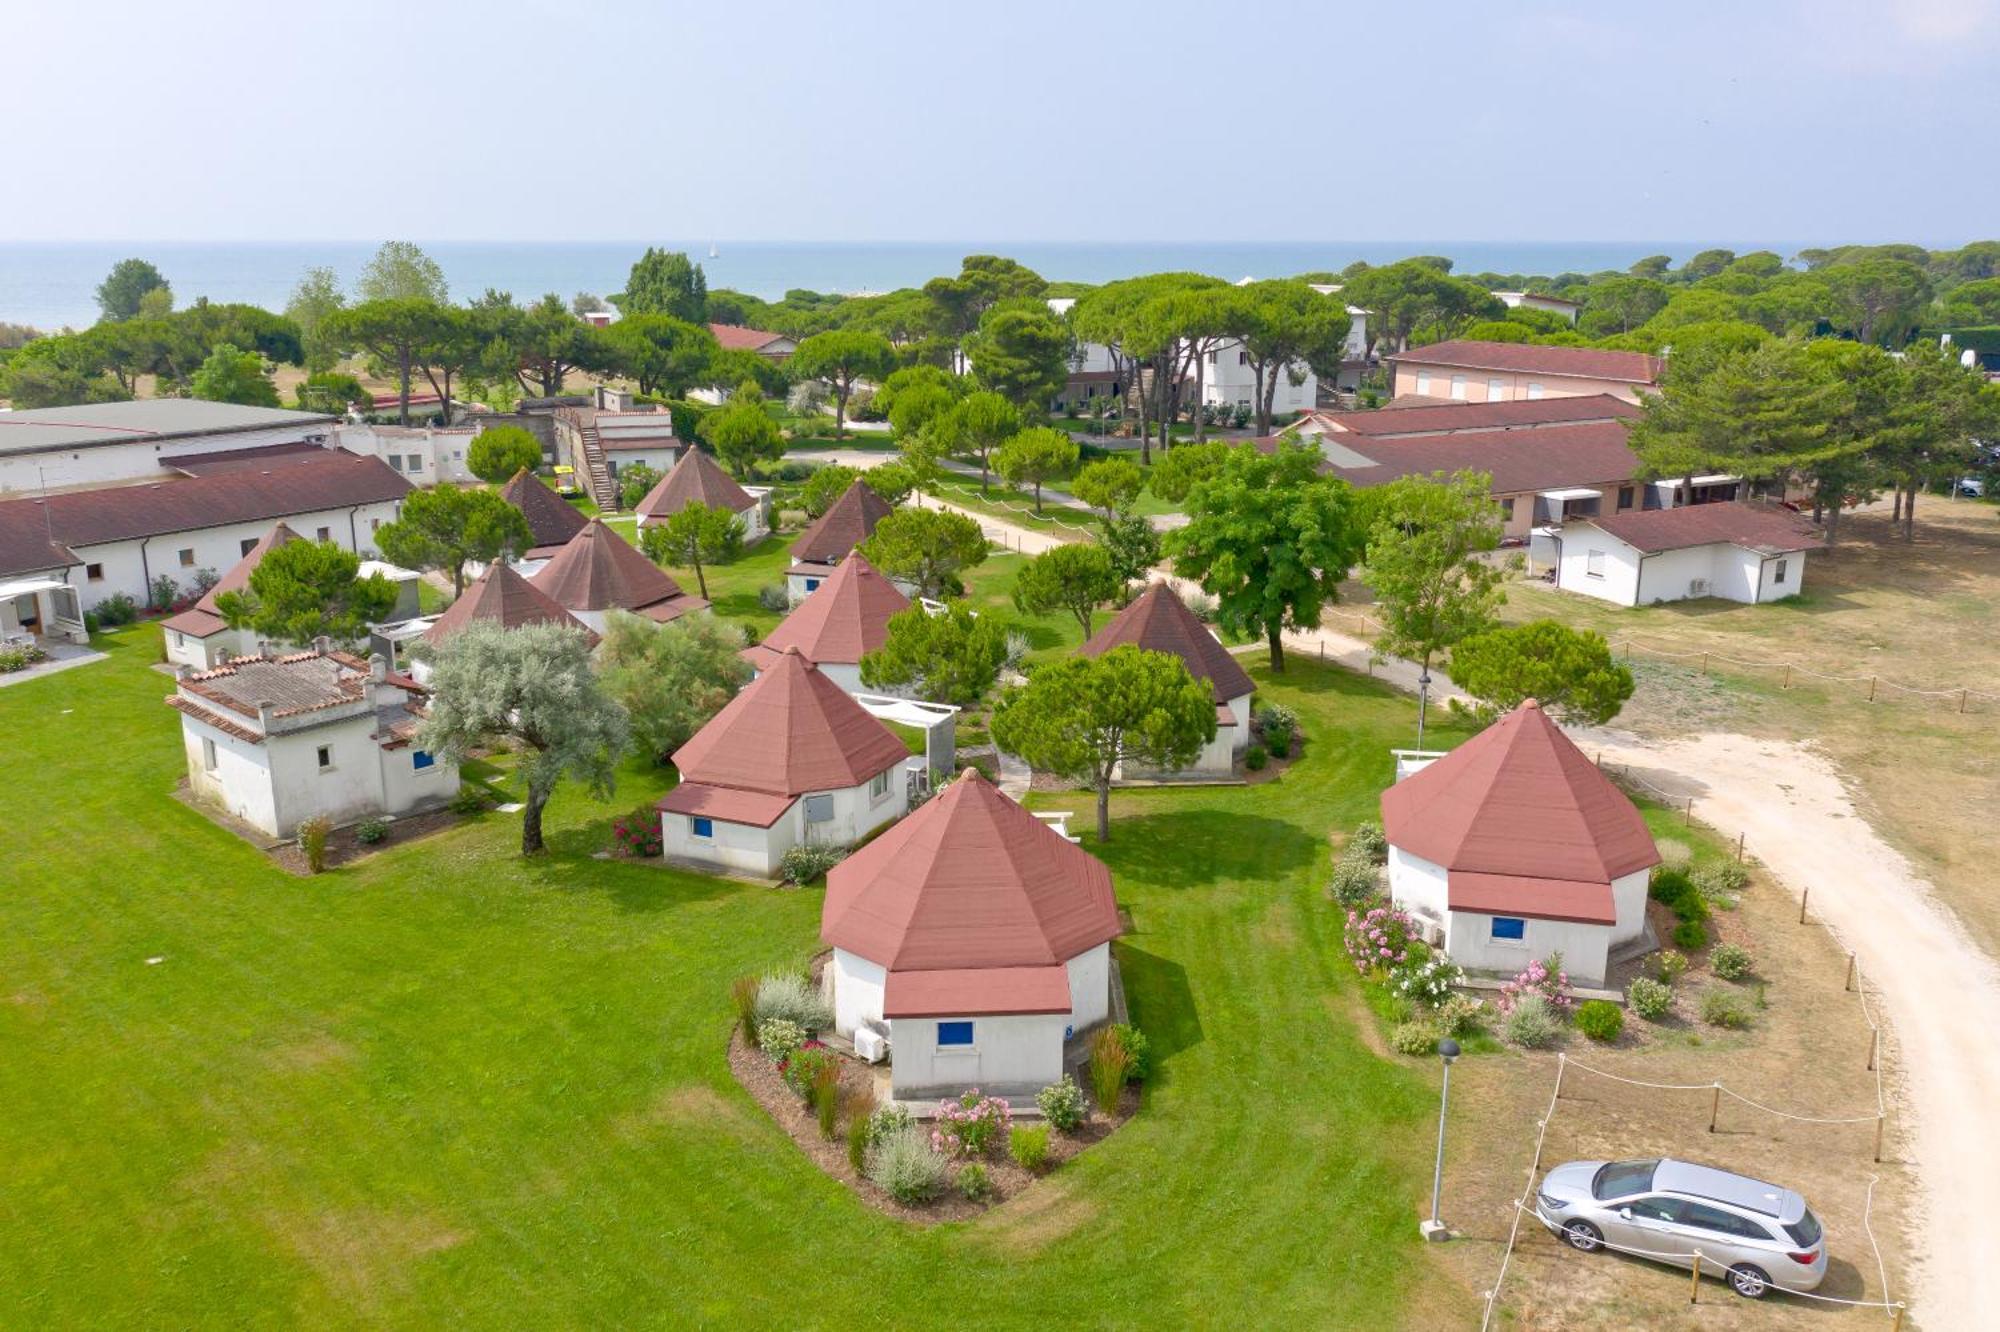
column 1255, row 759
column 974, row 1182
column 371, row 831
column 1718, row 883
column 1357, row 880
column 857, row 1143
column 802, row 1069
column 791, row 997
column 1419, row 1036
column 807, row 862
column 1110, row 1066
column 117, row 609
column 312, row 842
column 469, row 800
column 1671, row 887
column 1731, row 961
column 1649, row 998
column 1670, row 965
column 887, row 1122
column 774, row 597
column 779, row 1038
column 20, row 658
column 1725, row 1008
column 1462, row 1015
column 1368, row 839
column 1691, row 935
column 1062, row 1104
column 1533, row 1025
column 1600, row 1019
column 1279, row 726
column 1028, row 1144
column 1139, row 1048
column 907, row 1168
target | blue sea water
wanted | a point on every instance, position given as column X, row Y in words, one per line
column 52, row 284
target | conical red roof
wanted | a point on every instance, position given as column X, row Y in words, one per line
column 204, row 617
column 840, row 529
column 1159, row 621
column 695, row 478
column 501, row 596
column 552, row 521
column 791, row 731
column 971, row 881
column 846, row 617
column 600, row 570
column 1519, row 799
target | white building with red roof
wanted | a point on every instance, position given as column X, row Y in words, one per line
column 1468, row 370
column 599, row 572
column 274, row 741
column 1735, row 551
column 828, row 539
column 840, row 621
column 698, row 478
column 198, row 636
column 977, row 937
column 1515, row 846
column 1157, row 620
column 790, row 761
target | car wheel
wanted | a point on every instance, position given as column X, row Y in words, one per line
column 1583, row 1237
column 1749, row 1282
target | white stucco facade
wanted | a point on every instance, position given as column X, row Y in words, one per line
column 746, row 848
column 144, row 458
column 206, row 653
column 1229, row 380
column 1595, row 563
column 426, row 455
column 1218, row 758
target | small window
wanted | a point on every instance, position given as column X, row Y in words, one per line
column 187, row 557
column 1423, row 382
column 94, row 572
column 1778, row 574
column 1496, row 390
column 954, row 1033
column 180, row 639
column 812, row 584
column 702, row 827
column 396, row 461
column 1534, row 391
column 1593, row 564
column 422, row 758
column 325, row 534
column 1624, row 498
column 1242, row 358
column 819, row 809
column 1509, row 927
column 246, row 545
column 325, row 757
column 416, row 462
column 1458, row 388
column 208, row 762
column 879, row 787
column 374, row 524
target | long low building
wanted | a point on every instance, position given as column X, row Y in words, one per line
column 50, row 449
column 1737, row 552
column 119, row 539
column 1468, row 370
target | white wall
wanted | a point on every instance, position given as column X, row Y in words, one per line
column 241, row 782
column 1620, row 581
column 660, row 458
column 1090, row 987
column 1418, row 886
column 797, row 583
column 140, row 460
column 405, row 786
column 741, row 847
column 857, row 991
column 1228, row 380
column 1585, row 948
column 1628, row 898
column 427, row 455
column 207, row 653
column 1009, row 1056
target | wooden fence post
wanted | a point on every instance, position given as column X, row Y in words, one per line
column 1704, row 663
column 1871, row 688
column 1961, row 708
column 1788, row 676
column 1714, row 1106
column 1687, row 815
column 1849, row 985
column 1562, row 1063
column 1880, row 1120
column 1805, row 895
column 1694, row 1286
column 1874, row 1052
column 1739, row 848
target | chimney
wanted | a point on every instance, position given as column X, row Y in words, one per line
column 322, row 645
column 264, row 716
column 182, row 671
column 378, row 668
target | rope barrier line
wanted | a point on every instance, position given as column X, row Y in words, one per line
column 1725, row 1090
column 1631, row 643
column 1520, row 1203
column 1015, row 508
column 1867, row 1214
column 1722, row 1269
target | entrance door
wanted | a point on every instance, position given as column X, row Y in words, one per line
column 28, row 613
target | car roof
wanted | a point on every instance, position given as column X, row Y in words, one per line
column 1752, row 1195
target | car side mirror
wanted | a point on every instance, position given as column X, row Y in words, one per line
column 1624, row 1214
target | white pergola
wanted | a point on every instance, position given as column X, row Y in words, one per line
column 57, row 611
column 938, row 722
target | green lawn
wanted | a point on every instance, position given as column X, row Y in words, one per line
column 447, row 1086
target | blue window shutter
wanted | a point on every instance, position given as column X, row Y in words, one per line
column 703, row 827
column 421, row 759
column 954, row 1033
column 1509, row 927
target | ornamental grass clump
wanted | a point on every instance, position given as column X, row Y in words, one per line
column 971, row 1125
column 906, row 1167
column 793, row 998
column 1725, row 1009
column 743, row 998
column 1028, row 1144
column 823, row 1094
column 1110, row 1066
column 1062, row 1104
column 312, row 842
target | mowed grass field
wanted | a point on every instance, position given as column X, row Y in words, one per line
column 445, row 1085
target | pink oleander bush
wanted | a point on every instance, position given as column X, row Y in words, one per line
column 1545, row 978
column 1379, row 938
column 638, row 833
column 972, row 1125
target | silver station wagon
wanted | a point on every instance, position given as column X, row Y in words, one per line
column 1751, row 1234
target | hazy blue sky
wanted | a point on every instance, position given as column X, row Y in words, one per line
column 616, row 119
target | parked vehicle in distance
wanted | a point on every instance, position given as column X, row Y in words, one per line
column 1751, row 1234
column 1971, row 487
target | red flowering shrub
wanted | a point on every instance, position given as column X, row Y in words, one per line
column 637, row 833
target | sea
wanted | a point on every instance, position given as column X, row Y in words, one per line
column 52, row 284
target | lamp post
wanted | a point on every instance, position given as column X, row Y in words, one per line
column 1434, row 1229
column 1423, row 703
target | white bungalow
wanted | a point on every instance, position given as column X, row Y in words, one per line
column 1514, row 846
column 599, row 572
column 790, row 761
column 842, row 620
column 697, row 478
column 1737, row 552
column 832, row 537
column 278, row 740
column 1159, row 621
column 977, row 938
column 198, row 636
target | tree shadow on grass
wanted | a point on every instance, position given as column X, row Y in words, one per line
column 1197, row 848
column 571, row 864
column 1161, row 1001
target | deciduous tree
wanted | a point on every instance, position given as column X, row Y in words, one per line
column 1109, row 485
column 660, row 353
column 302, row 590
column 698, row 536
column 975, row 426
column 314, row 298
column 671, row 678
column 120, row 294
column 742, row 433
column 665, row 282
column 842, row 357
column 1081, row 717
column 1035, row 457
column 1425, row 537
column 1020, row 352
column 232, row 375
column 400, row 271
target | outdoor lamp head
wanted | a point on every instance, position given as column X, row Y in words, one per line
column 1448, row 1049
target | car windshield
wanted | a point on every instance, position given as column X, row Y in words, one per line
column 1805, row 1231
column 1622, row 1178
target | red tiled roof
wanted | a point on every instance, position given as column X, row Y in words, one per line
column 1159, row 621
column 846, row 617
column 758, row 809
column 971, row 881
column 1519, row 799
column 1763, row 528
column 204, row 618
column 325, row 479
column 1547, row 458
column 735, row 337
column 695, row 477
column 234, row 460
column 791, row 731
column 977, row 992
column 600, row 570
column 1428, row 416
column 850, row 521
column 1519, row 895
column 552, row 521
column 501, row 596
column 1533, row 358
column 187, row 706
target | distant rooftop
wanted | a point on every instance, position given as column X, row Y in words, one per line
column 103, row 423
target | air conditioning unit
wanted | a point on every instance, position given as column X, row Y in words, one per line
column 1697, row 587
column 871, row 1044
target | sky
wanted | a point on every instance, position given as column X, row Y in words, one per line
column 572, row 120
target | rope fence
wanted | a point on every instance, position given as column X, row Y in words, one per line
column 1011, row 507
column 1873, row 687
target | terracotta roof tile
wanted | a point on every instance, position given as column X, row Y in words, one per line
column 204, row 618
column 1764, row 528
column 1159, row 621
column 969, row 882
column 735, row 337
column 552, row 520
column 695, row 477
column 758, row 809
column 501, row 596
column 844, row 618
column 1533, row 358
column 1519, row 461
column 1542, row 899
column 977, row 992
column 849, row 522
column 791, row 731
column 600, row 570
column 1428, row 416
column 1519, row 799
